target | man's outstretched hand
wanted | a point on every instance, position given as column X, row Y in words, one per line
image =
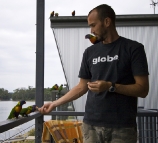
column 46, row 108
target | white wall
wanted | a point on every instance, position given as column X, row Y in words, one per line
column 72, row 43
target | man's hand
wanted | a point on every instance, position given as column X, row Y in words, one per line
column 47, row 107
column 98, row 86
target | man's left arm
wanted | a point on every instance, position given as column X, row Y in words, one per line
column 139, row 89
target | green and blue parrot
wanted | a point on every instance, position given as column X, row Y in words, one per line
column 54, row 87
column 92, row 39
column 26, row 111
column 34, row 108
column 16, row 110
column 60, row 88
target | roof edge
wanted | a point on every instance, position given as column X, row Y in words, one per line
column 121, row 20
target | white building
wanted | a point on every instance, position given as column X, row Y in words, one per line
column 69, row 33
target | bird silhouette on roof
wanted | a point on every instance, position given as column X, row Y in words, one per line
column 56, row 14
column 51, row 14
column 73, row 13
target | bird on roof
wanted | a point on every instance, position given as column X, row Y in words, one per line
column 56, row 14
column 51, row 14
column 73, row 13
column 93, row 39
column 16, row 110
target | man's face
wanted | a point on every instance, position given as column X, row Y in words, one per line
column 97, row 27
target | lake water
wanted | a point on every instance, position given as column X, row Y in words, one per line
column 5, row 108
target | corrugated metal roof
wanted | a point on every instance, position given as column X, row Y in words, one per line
column 121, row 20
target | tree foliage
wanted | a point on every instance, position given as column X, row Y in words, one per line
column 24, row 94
column 4, row 94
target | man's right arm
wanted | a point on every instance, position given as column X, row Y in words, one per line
column 73, row 94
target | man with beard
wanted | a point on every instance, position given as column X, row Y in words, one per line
column 114, row 72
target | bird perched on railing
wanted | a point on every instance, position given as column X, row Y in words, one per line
column 60, row 88
column 73, row 13
column 16, row 110
column 54, row 87
column 34, row 108
column 26, row 111
column 93, row 39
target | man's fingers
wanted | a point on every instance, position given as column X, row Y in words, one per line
column 93, row 89
column 92, row 86
column 92, row 83
column 44, row 109
column 41, row 110
column 37, row 108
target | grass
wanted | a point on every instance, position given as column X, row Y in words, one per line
column 29, row 133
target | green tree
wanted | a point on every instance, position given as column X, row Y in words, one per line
column 47, row 94
column 29, row 94
column 4, row 94
column 19, row 94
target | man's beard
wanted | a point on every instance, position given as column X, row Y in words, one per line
column 101, row 38
column 103, row 34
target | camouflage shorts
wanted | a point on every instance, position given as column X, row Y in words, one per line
column 93, row 134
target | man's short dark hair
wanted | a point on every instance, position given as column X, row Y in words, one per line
column 105, row 11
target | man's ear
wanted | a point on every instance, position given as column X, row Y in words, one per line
column 107, row 21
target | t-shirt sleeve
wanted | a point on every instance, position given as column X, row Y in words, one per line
column 84, row 71
column 139, row 61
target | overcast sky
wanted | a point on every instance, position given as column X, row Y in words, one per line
column 18, row 37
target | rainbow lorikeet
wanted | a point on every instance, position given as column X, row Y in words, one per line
column 26, row 111
column 60, row 88
column 16, row 110
column 34, row 108
column 93, row 39
column 54, row 87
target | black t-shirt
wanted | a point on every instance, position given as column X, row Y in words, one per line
column 116, row 62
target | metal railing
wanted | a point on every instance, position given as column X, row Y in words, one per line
column 147, row 122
